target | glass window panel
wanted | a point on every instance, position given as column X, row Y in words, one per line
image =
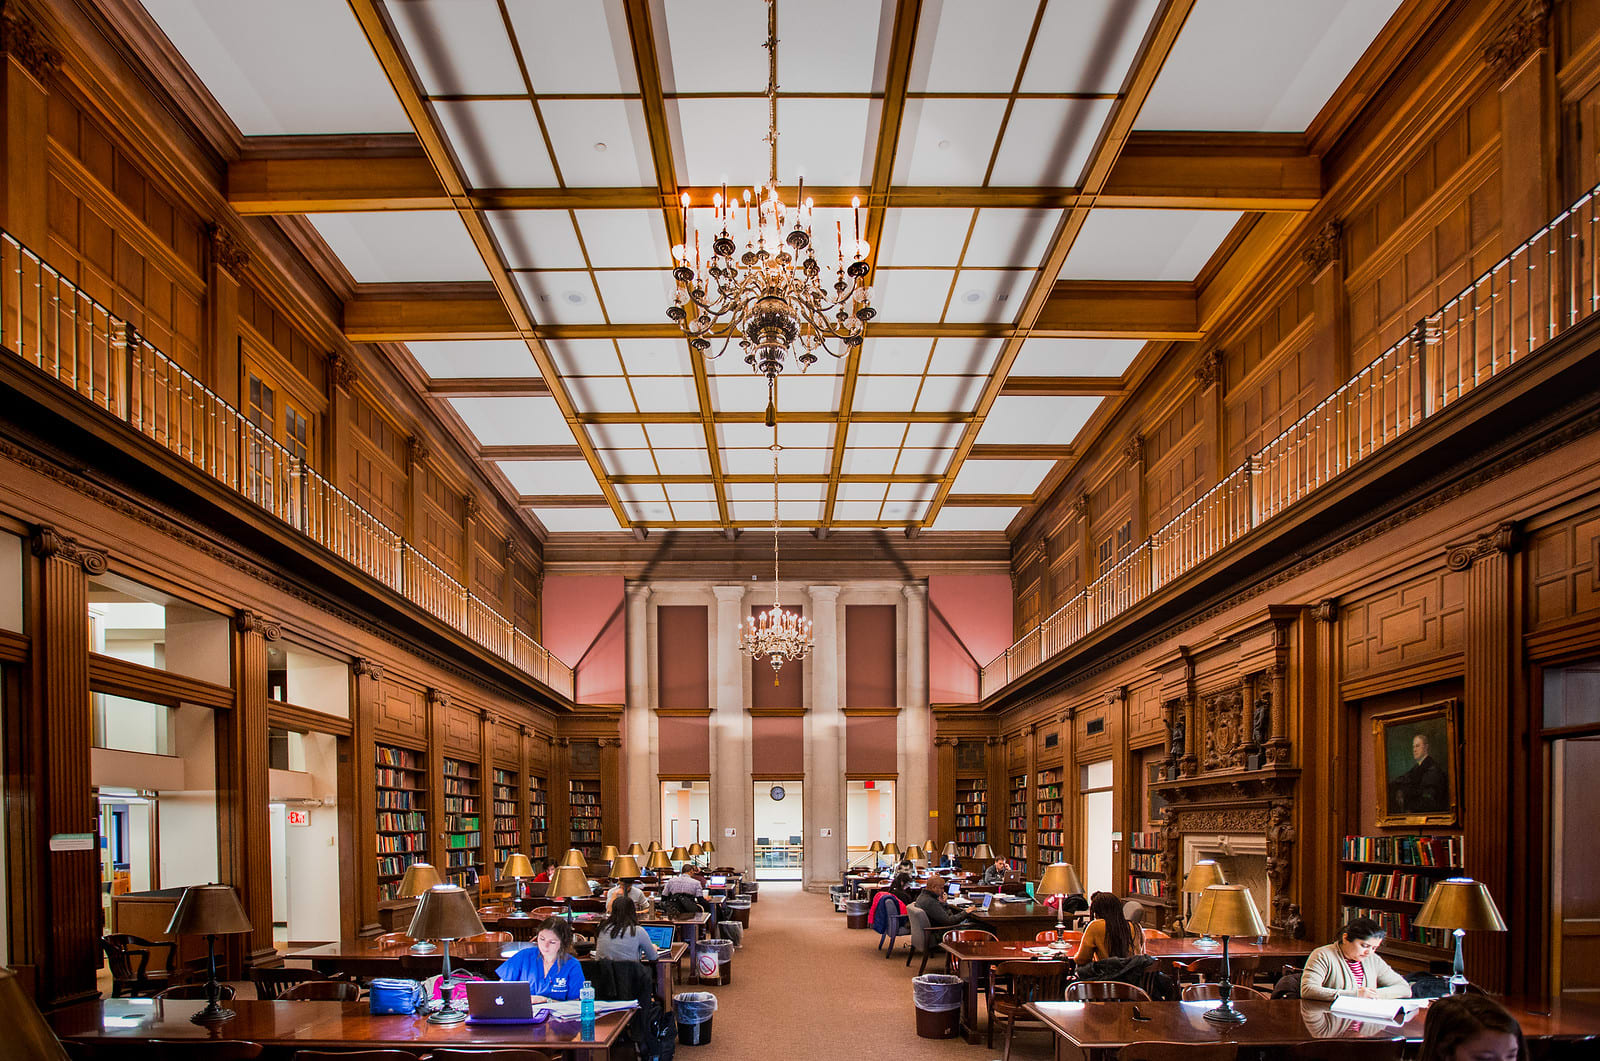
column 142, row 625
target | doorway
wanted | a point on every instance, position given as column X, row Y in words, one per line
column 868, row 815
column 685, row 812
column 1574, row 869
column 780, row 830
column 303, row 824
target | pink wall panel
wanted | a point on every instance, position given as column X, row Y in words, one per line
column 969, row 624
column 777, row 745
column 790, row 690
column 952, row 674
column 583, row 626
column 685, row 744
column 869, row 744
column 871, row 662
column 683, row 670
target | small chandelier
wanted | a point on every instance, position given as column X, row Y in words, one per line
column 780, row 635
column 773, row 295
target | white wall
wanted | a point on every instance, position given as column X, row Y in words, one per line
column 311, row 853
column 187, row 820
column 318, row 682
column 132, row 725
column 869, row 814
column 778, row 821
column 1098, row 825
column 10, row 595
column 685, row 813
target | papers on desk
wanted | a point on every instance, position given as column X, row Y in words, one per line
column 573, row 1010
column 1390, row 1010
column 1012, row 899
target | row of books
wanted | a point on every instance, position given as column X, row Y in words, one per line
column 457, row 768
column 1144, row 841
column 1048, row 821
column 389, row 799
column 393, row 866
column 970, row 820
column 455, row 786
column 1049, row 792
column 400, row 842
column 389, row 777
column 390, row 756
column 1152, row 886
column 1399, row 926
column 391, row 822
column 588, row 799
column 505, row 807
column 460, row 841
column 459, row 859
column 460, row 805
column 1144, row 862
column 1406, row 886
column 456, row 823
column 1050, row 839
column 1443, row 851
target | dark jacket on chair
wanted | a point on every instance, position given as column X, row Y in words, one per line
column 939, row 915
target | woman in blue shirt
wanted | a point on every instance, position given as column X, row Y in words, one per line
column 552, row 972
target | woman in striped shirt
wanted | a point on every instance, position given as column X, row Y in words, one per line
column 1351, row 966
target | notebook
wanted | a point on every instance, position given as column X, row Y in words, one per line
column 502, row 1002
column 660, row 935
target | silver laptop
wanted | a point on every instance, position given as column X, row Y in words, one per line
column 502, row 1002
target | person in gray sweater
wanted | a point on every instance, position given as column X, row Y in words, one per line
column 620, row 938
column 1351, row 966
column 931, row 901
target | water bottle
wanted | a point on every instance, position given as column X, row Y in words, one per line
column 586, row 1011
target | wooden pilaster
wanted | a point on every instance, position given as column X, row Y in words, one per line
column 1208, row 374
column 341, row 415
column 1529, row 122
column 248, row 843
column 27, row 60
column 611, row 786
column 221, row 356
column 557, row 799
column 944, row 750
column 1328, row 354
column 368, row 678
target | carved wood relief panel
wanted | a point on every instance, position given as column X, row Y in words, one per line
column 402, row 712
column 1144, row 714
column 461, row 732
column 1223, row 730
column 1564, row 572
column 1417, row 622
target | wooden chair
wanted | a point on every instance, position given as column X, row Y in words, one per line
column 895, row 925
column 489, row 937
column 456, row 1054
column 391, row 939
column 1105, row 991
column 272, row 981
column 543, row 912
column 188, row 1050
column 964, row 935
column 1241, row 971
column 1335, row 1050
column 1050, row 935
column 323, row 991
column 197, row 993
column 1178, row 1052
column 1156, row 933
column 1213, row 992
column 492, row 913
column 1030, row 982
column 129, row 958
column 925, row 937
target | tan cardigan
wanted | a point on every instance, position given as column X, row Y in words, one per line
column 1326, row 976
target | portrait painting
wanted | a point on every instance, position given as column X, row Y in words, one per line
column 1417, row 765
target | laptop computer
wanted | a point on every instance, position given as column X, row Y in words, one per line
column 987, row 898
column 719, row 881
column 660, row 935
column 502, row 1002
column 953, row 889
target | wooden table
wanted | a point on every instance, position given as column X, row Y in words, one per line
column 1087, row 1028
column 290, row 1026
column 1018, row 921
column 976, row 959
column 523, row 928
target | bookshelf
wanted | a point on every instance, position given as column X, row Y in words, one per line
column 1047, row 820
column 1017, row 820
column 507, row 827
column 538, row 822
column 972, row 815
column 583, row 797
column 1145, row 873
column 1387, row 878
column 402, row 833
column 463, row 836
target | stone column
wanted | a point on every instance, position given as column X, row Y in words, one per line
column 826, row 854
column 636, row 818
column 730, row 744
column 916, row 722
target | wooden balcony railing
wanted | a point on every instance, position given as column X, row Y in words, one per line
column 48, row 322
column 1546, row 285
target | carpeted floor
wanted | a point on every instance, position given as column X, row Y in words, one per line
column 804, row 987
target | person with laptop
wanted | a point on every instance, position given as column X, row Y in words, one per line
column 931, row 902
column 685, row 883
column 628, row 888
column 620, row 939
column 549, row 967
column 997, row 873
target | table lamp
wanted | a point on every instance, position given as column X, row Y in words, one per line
column 444, row 913
column 984, row 852
column 913, row 853
column 1202, row 875
column 518, row 868
column 569, row 882
column 696, row 851
column 679, row 855
column 420, row 876
column 928, row 848
column 635, row 850
column 655, row 845
column 891, row 853
column 1460, row 905
column 1227, row 910
column 951, row 854
column 658, row 860
column 608, row 854
column 626, row 868
column 875, row 849
column 30, row 1037
column 210, row 910
column 574, row 857
column 1060, row 880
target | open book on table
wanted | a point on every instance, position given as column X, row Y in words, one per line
column 1393, row 1010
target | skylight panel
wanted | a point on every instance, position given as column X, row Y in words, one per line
column 961, row 518
column 1118, row 244
column 665, row 394
column 1048, row 141
column 635, row 296
column 537, row 239
column 381, row 247
column 575, row 48
column 1075, row 357
column 1011, row 239
column 988, row 295
column 561, row 297
column 911, row 295
column 498, row 142
column 550, row 477
column 584, row 357
column 923, row 236
column 474, row 358
column 526, row 421
column 826, row 141
column 601, row 394
column 587, row 520
column 967, row 47
column 458, row 47
column 1087, row 45
column 600, row 143
column 1037, row 420
column 947, row 141
column 1001, row 476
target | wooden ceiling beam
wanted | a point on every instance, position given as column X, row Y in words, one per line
column 1019, row 451
column 1215, row 171
column 530, row 453
column 317, row 185
column 1099, row 309
column 488, row 387
column 562, row 501
column 1060, row 386
column 398, row 319
column 989, row 500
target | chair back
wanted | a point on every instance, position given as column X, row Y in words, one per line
column 323, row 991
column 1241, row 970
column 126, row 960
column 543, row 912
column 197, row 992
column 1213, row 992
column 921, row 927
column 1033, row 981
column 969, row 935
column 1105, row 991
column 390, row 939
column 585, row 906
column 491, row 913
column 488, row 937
column 272, row 981
column 1156, row 933
column 1178, row 1052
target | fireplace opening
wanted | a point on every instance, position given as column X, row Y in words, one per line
column 1242, row 857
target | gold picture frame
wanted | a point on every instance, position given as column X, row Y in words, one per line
column 1418, row 762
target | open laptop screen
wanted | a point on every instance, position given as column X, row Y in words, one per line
column 954, row 889
column 660, row 935
column 718, row 881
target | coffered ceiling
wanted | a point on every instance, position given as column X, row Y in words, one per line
column 1048, row 187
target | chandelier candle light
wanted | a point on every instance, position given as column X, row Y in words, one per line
column 780, row 635
column 773, row 294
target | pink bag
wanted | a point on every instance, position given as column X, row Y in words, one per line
column 458, row 985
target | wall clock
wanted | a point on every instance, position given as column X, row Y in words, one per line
column 777, row 793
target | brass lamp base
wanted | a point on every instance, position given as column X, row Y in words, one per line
column 422, row 946
column 448, row 1015
column 1224, row 1014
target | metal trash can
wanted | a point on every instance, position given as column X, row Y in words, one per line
column 713, row 961
column 738, row 910
column 693, row 1010
column 731, row 930
column 749, row 889
column 938, row 1000
column 837, row 894
column 855, row 912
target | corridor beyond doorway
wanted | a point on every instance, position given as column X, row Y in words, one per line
column 779, row 830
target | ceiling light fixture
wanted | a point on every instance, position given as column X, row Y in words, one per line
column 773, row 295
column 779, row 635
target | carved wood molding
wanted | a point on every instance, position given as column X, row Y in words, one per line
column 369, row 668
column 1322, row 249
column 1326, row 611
column 249, row 621
column 227, row 251
column 49, row 543
column 1503, row 539
column 438, row 697
column 417, row 451
column 1526, row 33
column 1209, row 371
column 1221, row 730
column 342, row 370
column 21, row 39
column 1133, row 448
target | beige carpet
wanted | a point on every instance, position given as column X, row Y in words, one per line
column 806, row 987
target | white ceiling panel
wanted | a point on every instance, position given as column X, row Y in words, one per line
column 628, row 462
column 635, row 296
column 833, row 45
column 665, row 394
column 599, row 143
column 584, row 357
column 572, row 48
column 290, row 67
column 458, row 47
column 1042, row 421
column 656, row 357
column 650, row 512
column 949, row 394
column 550, row 477
column 601, row 394
column 886, row 394
column 861, row 491
column 716, row 140
column 734, row 394
column 907, row 510
column 960, row 518
column 617, row 436
column 947, row 141
column 712, row 46
column 874, row 434
column 761, row 511
column 805, row 461
column 625, row 239
column 810, row 435
column 1076, row 357
column 923, row 237
column 498, row 142
column 894, row 356
column 910, row 295
column 676, row 436
column 562, row 520
column 938, row 436
column 912, row 491
column 1147, row 244
column 382, row 247
column 868, row 461
column 1001, row 477
column 1048, row 141
column 561, row 298
column 790, row 436
column 1011, row 239
column 786, row 492
column 808, row 393
column 696, row 510
column 844, row 511
column 1260, row 65
column 746, row 462
column 641, row 492
column 826, row 141
column 964, row 357
column 968, row 47
column 537, row 239
column 682, row 461
column 988, row 295
column 514, row 421
column 1087, row 45
column 923, row 461
column 466, row 359
column 681, row 492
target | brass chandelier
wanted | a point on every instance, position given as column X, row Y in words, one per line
column 779, row 635
column 774, row 294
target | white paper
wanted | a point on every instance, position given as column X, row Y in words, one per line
column 1393, row 1010
column 573, row 1010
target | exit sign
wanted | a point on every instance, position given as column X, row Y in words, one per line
column 299, row 817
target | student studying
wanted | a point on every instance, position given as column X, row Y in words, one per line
column 549, row 966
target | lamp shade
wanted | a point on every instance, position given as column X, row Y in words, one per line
column 1460, row 902
column 420, row 876
column 950, row 850
column 680, row 854
column 1202, row 875
column 574, row 857
column 1226, row 910
column 626, row 867
column 658, row 860
column 517, row 865
column 914, row 853
column 983, row 851
column 569, row 882
column 635, row 850
column 608, row 853
column 930, row 846
column 877, row 845
column 891, row 852
column 209, row 910
column 30, row 1038
column 709, row 846
column 1060, row 878
column 696, row 850
column 445, row 912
